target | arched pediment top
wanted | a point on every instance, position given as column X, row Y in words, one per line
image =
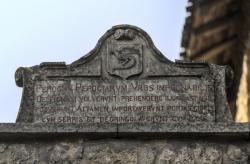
column 123, row 33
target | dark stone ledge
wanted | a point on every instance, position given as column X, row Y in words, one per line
column 21, row 131
column 183, row 130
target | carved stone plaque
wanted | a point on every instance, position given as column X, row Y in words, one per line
column 118, row 101
column 125, row 79
column 124, row 60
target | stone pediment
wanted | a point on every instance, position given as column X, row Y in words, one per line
column 124, row 79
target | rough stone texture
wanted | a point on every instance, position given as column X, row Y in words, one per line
column 125, row 151
column 124, row 79
column 124, row 55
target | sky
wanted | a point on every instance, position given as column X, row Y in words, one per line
column 35, row 31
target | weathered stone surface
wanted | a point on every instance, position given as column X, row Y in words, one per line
column 125, row 79
column 115, row 101
column 124, row 151
column 124, row 103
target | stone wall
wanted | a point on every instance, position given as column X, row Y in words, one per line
column 90, row 144
column 125, row 151
column 192, row 125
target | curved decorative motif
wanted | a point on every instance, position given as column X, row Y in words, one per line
column 124, row 60
column 121, row 34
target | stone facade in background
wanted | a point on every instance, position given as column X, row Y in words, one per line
column 124, row 103
column 218, row 32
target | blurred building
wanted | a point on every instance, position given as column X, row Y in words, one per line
column 218, row 31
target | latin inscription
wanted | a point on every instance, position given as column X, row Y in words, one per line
column 124, row 101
